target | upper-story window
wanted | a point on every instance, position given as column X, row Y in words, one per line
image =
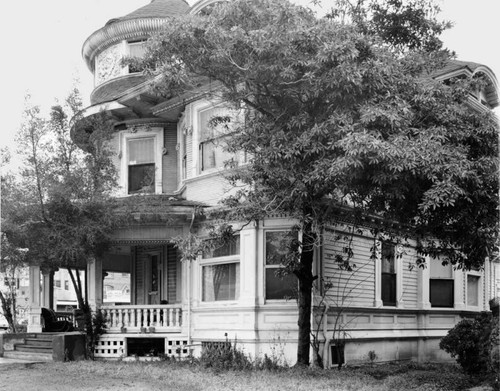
column 141, row 165
column 136, row 49
column 214, row 125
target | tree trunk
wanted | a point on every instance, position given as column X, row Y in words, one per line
column 7, row 312
column 306, row 279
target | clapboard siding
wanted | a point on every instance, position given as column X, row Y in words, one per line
column 350, row 289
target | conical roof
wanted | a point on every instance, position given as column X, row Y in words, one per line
column 157, row 9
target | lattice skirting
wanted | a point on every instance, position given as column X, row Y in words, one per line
column 115, row 347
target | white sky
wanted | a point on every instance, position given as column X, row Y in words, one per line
column 43, row 40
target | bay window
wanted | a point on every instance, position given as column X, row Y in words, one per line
column 213, row 129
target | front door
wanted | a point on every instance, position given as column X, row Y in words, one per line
column 154, row 278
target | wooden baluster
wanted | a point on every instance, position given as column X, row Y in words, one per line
column 132, row 316
column 171, row 317
column 177, row 317
column 120, row 317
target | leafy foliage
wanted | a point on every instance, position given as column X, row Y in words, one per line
column 342, row 117
column 468, row 341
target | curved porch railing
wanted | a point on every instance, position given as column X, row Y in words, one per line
column 143, row 318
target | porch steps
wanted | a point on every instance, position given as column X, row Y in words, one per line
column 37, row 347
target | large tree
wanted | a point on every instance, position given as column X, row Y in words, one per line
column 63, row 211
column 342, row 117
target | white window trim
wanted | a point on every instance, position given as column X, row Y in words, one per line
column 157, row 134
column 213, row 262
column 480, row 290
column 196, row 109
column 398, row 269
column 265, row 266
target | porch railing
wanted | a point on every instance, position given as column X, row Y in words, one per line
column 143, row 318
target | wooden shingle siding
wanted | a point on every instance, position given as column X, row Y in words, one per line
column 350, row 289
column 169, row 160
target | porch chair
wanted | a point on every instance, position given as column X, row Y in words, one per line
column 51, row 324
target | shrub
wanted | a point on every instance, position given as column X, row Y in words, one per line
column 469, row 342
column 223, row 356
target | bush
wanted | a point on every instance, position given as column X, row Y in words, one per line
column 469, row 342
column 223, row 356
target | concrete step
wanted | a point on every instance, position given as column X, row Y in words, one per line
column 45, row 336
column 33, row 349
column 38, row 342
column 37, row 357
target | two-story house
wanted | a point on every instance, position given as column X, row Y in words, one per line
column 169, row 163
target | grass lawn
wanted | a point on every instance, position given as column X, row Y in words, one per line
column 95, row 375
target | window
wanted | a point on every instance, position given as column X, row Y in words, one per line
column 278, row 286
column 221, row 272
column 472, row 290
column 57, row 283
column 136, row 50
column 221, row 282
column 388, row 274
column 441, row 283
column 66, row 285
column 141, row 165
column 213, row 127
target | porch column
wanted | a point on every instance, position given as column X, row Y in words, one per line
column 35, row 311
column 48, row 290
column 94, row 283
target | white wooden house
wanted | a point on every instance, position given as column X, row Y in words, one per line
column 169, row 165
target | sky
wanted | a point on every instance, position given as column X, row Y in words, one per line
column 43, row 40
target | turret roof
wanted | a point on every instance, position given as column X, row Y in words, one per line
column 156, row 9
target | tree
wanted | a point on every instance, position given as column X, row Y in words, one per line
column 66, row 214
column 342, row 119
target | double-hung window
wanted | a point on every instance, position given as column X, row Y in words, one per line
column 221, row 272
column 441, row 284
column 278, row 285
column 389, row 275
column 141, row 165
column 213, row 128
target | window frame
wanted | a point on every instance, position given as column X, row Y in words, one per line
column 478, row 275
column 125, row 136
column 449, row 281
column 221, row 260
column 274, row 266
